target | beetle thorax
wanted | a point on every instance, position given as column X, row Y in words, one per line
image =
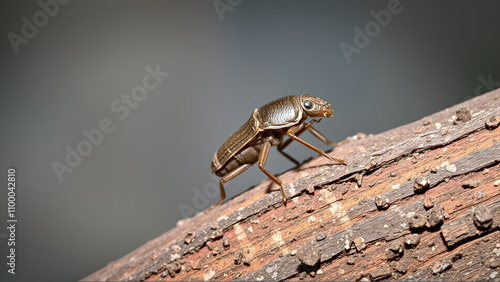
column 281, row 113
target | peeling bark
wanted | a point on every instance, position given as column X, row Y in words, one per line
column 421, row 201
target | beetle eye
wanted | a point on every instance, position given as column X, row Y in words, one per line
column 307, row 104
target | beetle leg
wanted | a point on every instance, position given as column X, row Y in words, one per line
column 315, row 132
column 320, row 136
column 226, row 178
column 262, row 162
column 291, row 133
column 283, row 145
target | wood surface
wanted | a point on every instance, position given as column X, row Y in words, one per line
column 421, row 201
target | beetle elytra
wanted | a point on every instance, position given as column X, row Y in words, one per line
column 266, row 127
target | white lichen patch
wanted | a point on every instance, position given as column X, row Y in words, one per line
column 274, row 275
column 328, row 195
column 451, row 168
column 209, row 275
column 497, row 251
column 222, row 218
column 410, row 214
column 270, row 269
column 291, row 189
column 277, row 238
column 347, row 244
column 240, row 233
column 493, row 275
column 338, row 211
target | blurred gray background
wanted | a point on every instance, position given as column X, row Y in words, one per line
column 223, row 61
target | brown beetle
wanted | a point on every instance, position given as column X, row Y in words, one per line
column 265, row 128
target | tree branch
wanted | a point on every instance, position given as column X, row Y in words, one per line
column 421, row 201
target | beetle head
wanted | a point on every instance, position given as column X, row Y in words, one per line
column 314, row 106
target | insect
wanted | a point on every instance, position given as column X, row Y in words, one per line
column 266, row 127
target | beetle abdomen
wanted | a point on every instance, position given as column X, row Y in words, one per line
column 248, row 155
column 234, row 143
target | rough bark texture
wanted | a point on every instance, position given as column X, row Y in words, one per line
column 421, row 201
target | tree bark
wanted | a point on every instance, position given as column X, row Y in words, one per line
column 421, row 201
